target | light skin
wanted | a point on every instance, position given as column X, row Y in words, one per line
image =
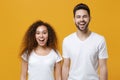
column 41, row 36
column 103, row 69
column 42, row 49
column 24, row 69
column 65, row 68
column 82, row 20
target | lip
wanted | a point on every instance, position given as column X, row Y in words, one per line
column 41, row 42
column 82, row 23
column 41, row 39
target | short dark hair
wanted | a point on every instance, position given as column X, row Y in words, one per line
column 81, row 6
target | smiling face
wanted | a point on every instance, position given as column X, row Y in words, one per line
column 82, row 19
column 41, row 36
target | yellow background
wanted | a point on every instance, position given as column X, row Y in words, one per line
column 17, row 15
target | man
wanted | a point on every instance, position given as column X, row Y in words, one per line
column 83, row 50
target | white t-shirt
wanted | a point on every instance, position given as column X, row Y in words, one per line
column 41, row 67
column 84, row 55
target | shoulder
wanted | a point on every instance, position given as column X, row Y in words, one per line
column 98, row 36
column 57, row 55
column 98, row 39
column 55, row 52
column 69, row 37
column 24, row 56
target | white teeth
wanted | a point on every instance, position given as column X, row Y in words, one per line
column 81, row 23
column 41, row 39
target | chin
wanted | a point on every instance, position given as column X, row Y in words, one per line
column 42, row 45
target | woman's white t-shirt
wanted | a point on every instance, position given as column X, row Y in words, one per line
column 41, row 67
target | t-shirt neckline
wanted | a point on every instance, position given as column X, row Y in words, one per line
column 42, row 55
column 83, row 41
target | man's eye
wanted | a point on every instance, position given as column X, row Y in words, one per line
column 85, row 16
column 77, row 16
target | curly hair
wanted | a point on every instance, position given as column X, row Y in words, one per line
column 29, row 41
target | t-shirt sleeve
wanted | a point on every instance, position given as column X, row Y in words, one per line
column 24, row 56
column 64, row 50
column 103, row 50
column 59, row 58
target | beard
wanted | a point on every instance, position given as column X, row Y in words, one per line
column 82, row 27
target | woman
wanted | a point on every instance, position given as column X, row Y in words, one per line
column 40, row 58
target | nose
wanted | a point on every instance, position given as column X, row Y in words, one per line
column 41, row 35
column 81, row 19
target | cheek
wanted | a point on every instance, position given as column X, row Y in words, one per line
column 76, row 21
column 87, row 20
column 46, row 36
column 36, row 36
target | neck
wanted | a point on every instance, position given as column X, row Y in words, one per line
column 41, row 48
column 83, row 34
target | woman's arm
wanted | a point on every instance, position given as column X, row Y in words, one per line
column 24, row 68
column 65, row 68
column 58, row 71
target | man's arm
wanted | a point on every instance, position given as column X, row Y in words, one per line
column 65, row 68
column 103, row 69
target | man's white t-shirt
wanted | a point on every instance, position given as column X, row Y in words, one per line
column 41, row 67
column 84, row 55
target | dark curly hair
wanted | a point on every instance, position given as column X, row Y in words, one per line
column 29, row 41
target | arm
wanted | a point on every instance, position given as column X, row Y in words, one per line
column 65, row 69
column 103, row 69
column 24, row 70
column 58, row 71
